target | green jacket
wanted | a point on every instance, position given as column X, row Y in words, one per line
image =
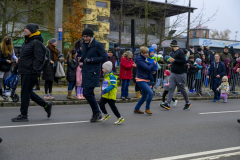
column 112, row 86
column 223, row 56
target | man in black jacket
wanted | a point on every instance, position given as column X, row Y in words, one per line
column 118, row 54
column 30, row 65
column 178, row 75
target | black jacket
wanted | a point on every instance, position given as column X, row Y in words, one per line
column 207, row 55
column 31, row 56
column 196, row 55
column 193, row 69
column 119, row 56
column 179, row 64
column 71, row 69
column 4, row 65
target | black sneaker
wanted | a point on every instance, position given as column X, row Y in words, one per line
column 0, row 140
column 123, row 98
column 187, row 106
column 127, row 97
column 20, row 118
column 96, row 117
column 165, row 106
column 48, row 109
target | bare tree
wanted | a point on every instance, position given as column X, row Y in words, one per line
column 224, row 35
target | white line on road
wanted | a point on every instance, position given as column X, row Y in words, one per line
column 199, row 154
column 220, row 112
column 43, row 124
column 219, row 156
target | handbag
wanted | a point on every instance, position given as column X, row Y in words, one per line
column 59, row 71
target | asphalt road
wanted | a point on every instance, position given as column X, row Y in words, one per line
column 192, row 133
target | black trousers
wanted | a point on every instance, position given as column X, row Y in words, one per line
column 48, row 86
column 88, row 93
column 164, row 96
column 27, row 94
column 112, row 105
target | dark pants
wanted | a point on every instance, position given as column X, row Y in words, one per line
column 112, row 105
column 198, row 85
column 137, row 88
column 190, row 80
column 125, row 85
column 71, row 85
column 216, row 82
column 48, row 86
column 164, row 96
column 88, row 93
column 27, row 94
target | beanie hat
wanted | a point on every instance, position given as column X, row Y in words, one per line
column 185, row 51
column 199, row 49
column 167, row 72
column 32, row 27
column 191, row 46
column 88, row 32
column 174, row 43
column 110, row 51
column 154, row 46
column 207, row 46
column 191, row 57
column 198, row 60
column 225, row 77
column 226, row 47
column 108, row 66
column 53, row 40
column 116, row 45
column 151, row 49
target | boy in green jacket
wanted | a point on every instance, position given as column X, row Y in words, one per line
column 109, row 93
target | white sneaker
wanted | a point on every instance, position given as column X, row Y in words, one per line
column 119, row 121
column 175, row 103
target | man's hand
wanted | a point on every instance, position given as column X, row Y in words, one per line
column 169, row 65
column 238, row 70
column 171, row 60
column 154, row 72
column 8, row 61
column 188, row 64
column 88, row 61
column 51, row 62
column 218, row 76
column 134, row 65
column 188, row 67
column 16, row 60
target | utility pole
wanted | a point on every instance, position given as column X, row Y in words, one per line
column 146, row 22
column 58, row 23
column 188, row 29
column 120, row 25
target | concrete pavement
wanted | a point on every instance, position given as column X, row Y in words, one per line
column 69, row 135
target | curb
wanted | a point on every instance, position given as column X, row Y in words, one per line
column 71, row 102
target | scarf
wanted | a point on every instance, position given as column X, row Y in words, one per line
column 54, row 51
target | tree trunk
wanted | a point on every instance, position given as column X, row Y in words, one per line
column 4, row 19
column 146, row 23
column 120, row 26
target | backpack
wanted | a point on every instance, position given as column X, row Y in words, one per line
column 12, row 81
column 46, row 53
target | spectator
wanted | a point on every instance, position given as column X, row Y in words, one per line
column 206, row 53
column 154, row 46
column 143, row 69
column 112, row 59
column 225, row 55
column 150, row 59
column 216, row 72
column 224, row 89
column 93, row 54
column 30, row 66
column 235, row 76
column 235, row 59
column 198, row 53
column 191, row 71
column 72, row 64
column 227, row 67
column 212, row 57
column 126, row 67
column 191, row 49
column 231, row 51
column 138, row 93
column 117, row 53
column 48, row 72
column 178, row 75
column 198, row 79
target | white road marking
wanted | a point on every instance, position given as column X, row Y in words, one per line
column 221, row 112
column 43, row 124
column 219, row 156
column 199, row 154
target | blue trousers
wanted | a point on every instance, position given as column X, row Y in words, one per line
column 147, row 93
column 71, row 85
column 124, row 89
column 216, row 82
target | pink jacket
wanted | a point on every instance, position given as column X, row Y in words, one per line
column 79, row 75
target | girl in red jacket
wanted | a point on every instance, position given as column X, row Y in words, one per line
column 126, row 67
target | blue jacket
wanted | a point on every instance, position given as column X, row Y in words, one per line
column 143, row 67
column 199, row 72
column 212, row 58
column 91, row 72
column 221, row 70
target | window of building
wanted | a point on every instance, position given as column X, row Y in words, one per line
column 204, row 34
column 93, row 27
column 101, row 4
column 114, row 26
column 151, row 29
column 194, row 34
column 87, row 11
column 102, row 19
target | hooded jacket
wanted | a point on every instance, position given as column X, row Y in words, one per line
column 224, row 55
column 227, row 67
column 71, row 69
column 126, row 67
column 236, row 67
column 143, row 67
column 31, row 55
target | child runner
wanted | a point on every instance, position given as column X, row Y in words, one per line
column 166, row 87
column 109, row 93
column 79, row 81
column 224, row 89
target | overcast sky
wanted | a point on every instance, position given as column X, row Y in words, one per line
column 227, row 16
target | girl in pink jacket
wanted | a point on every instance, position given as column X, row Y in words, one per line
column 79, row 81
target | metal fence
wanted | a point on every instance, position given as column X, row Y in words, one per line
column 196, row 82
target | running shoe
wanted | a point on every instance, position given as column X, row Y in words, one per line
column 187, row 106
column 105, row 117
column 46, row 98
column 119, row 121
column 175, row 103
column 165, row 106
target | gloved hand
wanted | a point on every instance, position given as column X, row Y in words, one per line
column 103, row 92
column 228, row 77
column 88, row 61
column 35, row 78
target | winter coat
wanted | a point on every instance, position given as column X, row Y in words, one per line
column 91, row 72
column 231, row 51
column 143, row 68
column 199, row 72
column 126, row 67
column 196, row 55
column 31, row 55
column 236, row 67
column 205, row 66
column 119, row 56
column 207, row 56
column 234, row 61
column 113, row 60
column 220, row 71
column 191, row 51
column 227, row 67
column 212, row 58
column 79, row 53
column 71, row 69
column 179, row 64
column 224, row 55
column 4, row 65
column 193, row 68
column 79, row 75
column 134, row 70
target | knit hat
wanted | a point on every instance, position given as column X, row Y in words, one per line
column 32, row 27
column 198, row 60
column 191, row 46
column 167, row 72
column 199, row 49
column 110, row 51
column 151, row 49
column 185, row 51
column 174, row 43
column 191, row 57
column 226, row 47
column 154, row 46
column 207, row 46
column 116, row 45
column 161, row 52
column 53, row 40
column 88, row 32
column 225, row 77
column 108, row 66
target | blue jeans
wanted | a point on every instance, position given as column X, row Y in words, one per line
column 216, row 82
column 71, row 85
column 125, row 85
column 147, row 93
